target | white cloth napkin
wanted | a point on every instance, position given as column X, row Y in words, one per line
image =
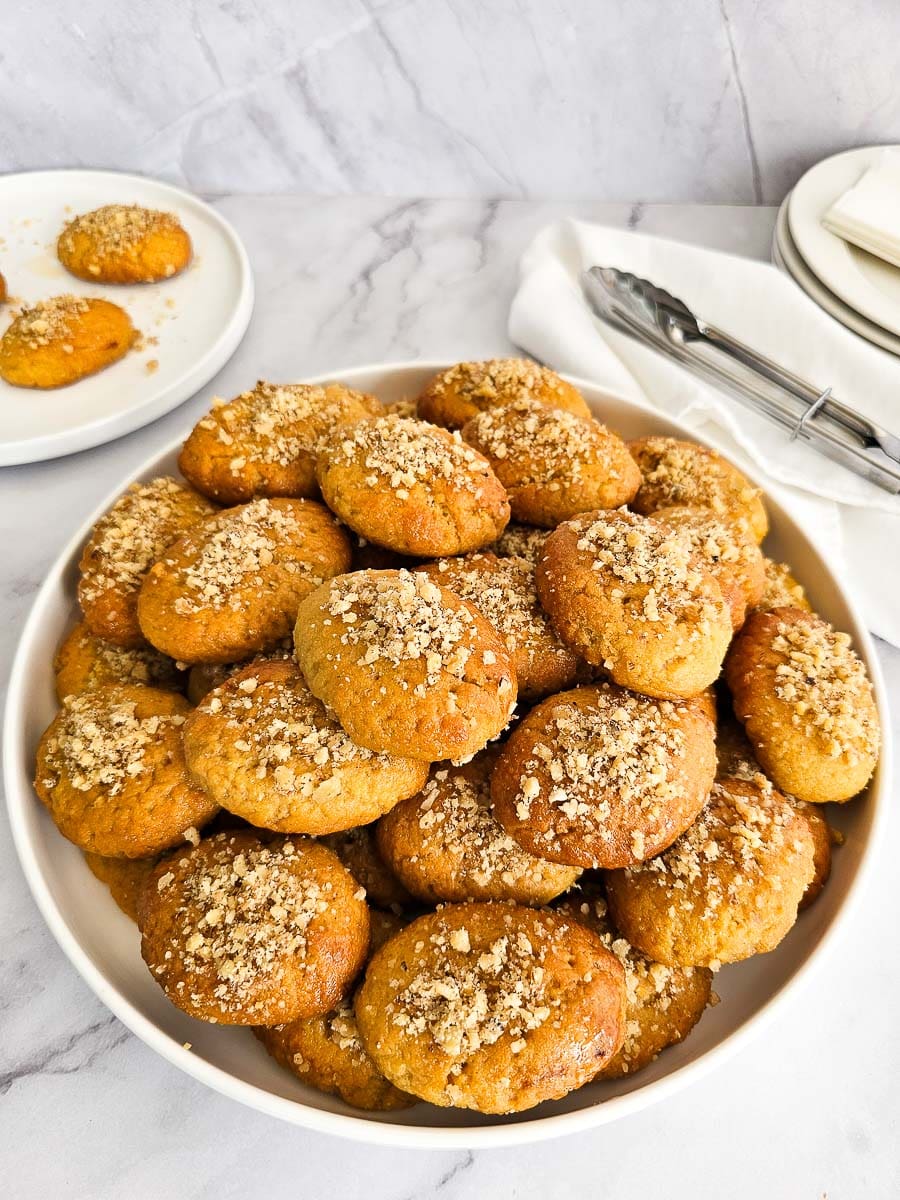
column 868, row 214
column 854, row 523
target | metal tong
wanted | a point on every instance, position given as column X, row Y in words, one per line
column 655, row 317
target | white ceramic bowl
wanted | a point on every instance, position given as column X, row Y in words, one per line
column 103, row 944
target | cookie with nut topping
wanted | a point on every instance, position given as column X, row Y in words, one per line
column 806, row 703
column 111, row 771
column 267, row 750
column 602, row 777
column 241, row 931
column 553, row 464
column 630, row 595
column 503, row 591
column 676, row 472
column 492, row 1007
column 446, row 844
column 84, row 661
column 230, row 587
column 411, row 487
column 56, row 342
column 407, row 667
column 124, row 243
column 123, row 546
column 263, row 443
column 456, row 395
column 729, row 887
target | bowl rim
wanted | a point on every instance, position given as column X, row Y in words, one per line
column 371, row 1129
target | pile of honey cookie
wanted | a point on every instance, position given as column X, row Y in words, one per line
column 58, row 340
column 452, row 745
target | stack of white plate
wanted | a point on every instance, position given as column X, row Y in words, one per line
column 856, row 288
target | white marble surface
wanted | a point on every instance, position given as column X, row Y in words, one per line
column 714, row 100
column 87, row 1111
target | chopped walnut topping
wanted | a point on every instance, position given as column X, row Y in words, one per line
column 50, row 320
column 782, row 589
column 497, row 380
column 117, row 228
column 405, row 453
column 555, row 443
column 823, row 680
column 139, row 527
column 234, row 555
column 470, row 999
column 520, row 541
column 245, row 917
column 102, row 745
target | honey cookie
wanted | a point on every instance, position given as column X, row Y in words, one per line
column 124, row 544
column 446, row 844
column 56, row 342
column 806, row 704
column 357, row 850
column 230, row 587
column 677, row 473
column 202, row 678
column 111, row 771
column 781, row 588
column 730, row 554
column 628, row 594
column 125, row 878
column 553, row 464
column 326, row 1053
column 411, row 487
column 124, row 243
column 601, row 777
column 728, row 888
column 263, row 443
column 503, row 591
column 456, row 395
column 407, row 667
column 493, row 1007
column 662, row 1004
column 266, row 749
column 244, row 932
column 84, row 661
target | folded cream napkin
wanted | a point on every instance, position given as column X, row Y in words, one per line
column 854, row 523
column 868, row 215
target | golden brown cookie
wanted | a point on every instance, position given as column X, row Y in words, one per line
column 553, row 464
column 676, row 473
column 124, row 544
column 111, row 770
column 263, row 443
column 124, row 243
column 456, row 395
column 266, row 749
column 411, row 487
column 230, row 587
column 446, row 844
column 727, row 889
column 628, row 594
column 730, row 554
column 663, row 1004
column 806, row 704
column 58, row 341
column 493, row 1007
column 84, row 661
column 781, row 589
column 326, row 1053
column 245, row 932
column 502, row 589
column 823, row 838
column 407, row 667
column 602, row 777
column 520, row 541
column 125, row 878
column 358, row 852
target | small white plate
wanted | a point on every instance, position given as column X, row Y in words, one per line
column 191, row 324
column 789, row 259
column 866, row 283
column 104, row 945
